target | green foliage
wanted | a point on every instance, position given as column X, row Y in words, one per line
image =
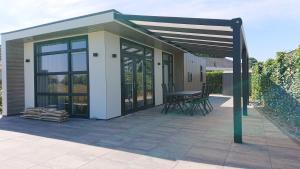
column 276, row 84
column 214, row 80
column 252, row 61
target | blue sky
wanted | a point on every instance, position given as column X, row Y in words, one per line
column 270, row 25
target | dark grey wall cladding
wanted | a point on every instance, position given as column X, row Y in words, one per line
column 227, row 84
column 179, row 71
column 15, row 77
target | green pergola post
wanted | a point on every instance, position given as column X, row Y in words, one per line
column 245, row 82
column 237, row 53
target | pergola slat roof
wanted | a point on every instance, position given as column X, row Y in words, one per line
column 210, row 37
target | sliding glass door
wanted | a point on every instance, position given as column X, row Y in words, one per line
column 61, row 75
column 137, row 76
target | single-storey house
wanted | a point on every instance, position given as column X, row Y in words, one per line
column 94, row 66
column 109, row 64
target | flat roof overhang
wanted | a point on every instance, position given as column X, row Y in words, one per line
column 103, row 21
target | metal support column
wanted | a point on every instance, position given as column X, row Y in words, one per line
column 245, row 82
column 237, row 53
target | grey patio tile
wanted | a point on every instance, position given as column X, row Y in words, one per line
column 148, row 162
column 283, row 142
column 258, row 140
column 141, row 144
column 284, row 153
column 206, row 155
column 285, row 163
column 243, row 160
column 120, row 156
column 101, row 163
column 250, row 149
column 170, row 151
column 213, row 145
column 69, row 161
column 195, row 165
column 39, row 167
column 16, row 164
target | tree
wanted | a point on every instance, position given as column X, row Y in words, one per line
column 252, row 61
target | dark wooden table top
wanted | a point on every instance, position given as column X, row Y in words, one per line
column 185, row 93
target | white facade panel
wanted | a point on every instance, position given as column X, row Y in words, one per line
column 113, row 75
column 97, row 75
column 158, row 76
column 29, row 74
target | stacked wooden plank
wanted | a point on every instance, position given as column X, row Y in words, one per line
column 47, row 114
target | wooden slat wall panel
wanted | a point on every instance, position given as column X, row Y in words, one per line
column 178, row 71
column 15, row 77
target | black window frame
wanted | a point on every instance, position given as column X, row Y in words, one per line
column 124, row 52
column 69, row 72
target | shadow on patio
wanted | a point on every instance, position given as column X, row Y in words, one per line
column 147, row 139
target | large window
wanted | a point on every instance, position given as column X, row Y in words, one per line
column 137, row 67
column 61, row 75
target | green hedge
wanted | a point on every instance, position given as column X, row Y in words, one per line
column 276, row 86
column 214, row 79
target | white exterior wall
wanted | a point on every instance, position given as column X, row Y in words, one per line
column 104, row 75
column 158, row 77
column 97, row 75
column 29, row 74
column 113, row 75
column 192, row 64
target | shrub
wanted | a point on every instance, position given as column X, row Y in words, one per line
column 214, row 79
column 276, row 85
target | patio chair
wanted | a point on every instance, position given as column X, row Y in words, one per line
column 170, row 101
column 207, row 93
column 166, row 99
column 171, row 87
column 198, row 103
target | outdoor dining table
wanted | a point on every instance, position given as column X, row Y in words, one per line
column 178, row 98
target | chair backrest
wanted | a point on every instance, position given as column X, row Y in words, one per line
column 203, row 89
column 171, row 87
column 165, row 91
column 207, row 89
column 165, row 88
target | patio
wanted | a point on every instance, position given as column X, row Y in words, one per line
column 147, row 139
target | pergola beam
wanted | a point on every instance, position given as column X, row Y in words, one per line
column 186, row 36
column 179, row 20
column 212, row 53
column 189, row 30
column 205, row 47
column 198, row 42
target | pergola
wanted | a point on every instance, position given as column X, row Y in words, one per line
column 205, row 37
